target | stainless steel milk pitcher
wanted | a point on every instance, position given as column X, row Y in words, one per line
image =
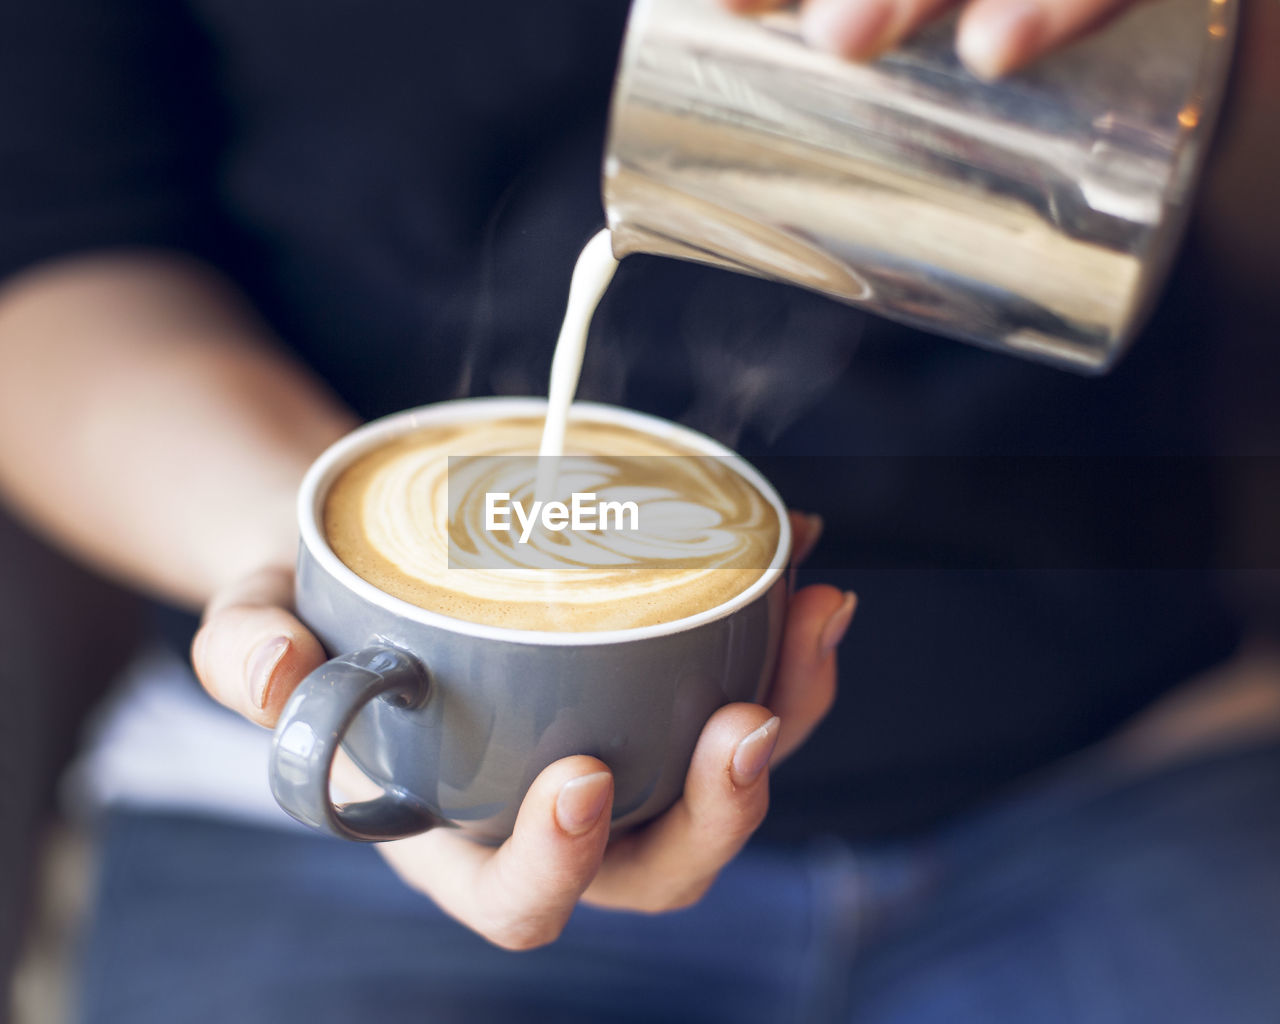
column 1036, row 215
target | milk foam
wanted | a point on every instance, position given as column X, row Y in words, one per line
column 391, row 515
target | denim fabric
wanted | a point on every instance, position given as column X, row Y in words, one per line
column 1090, row 899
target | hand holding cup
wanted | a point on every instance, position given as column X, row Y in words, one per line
column 252, row 652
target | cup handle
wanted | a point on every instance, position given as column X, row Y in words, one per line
column 311, row 728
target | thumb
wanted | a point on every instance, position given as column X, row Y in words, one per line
column 251, row 652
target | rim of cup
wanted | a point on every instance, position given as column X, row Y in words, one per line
column 340, row 454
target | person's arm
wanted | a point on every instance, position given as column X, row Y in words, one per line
column 148, row 424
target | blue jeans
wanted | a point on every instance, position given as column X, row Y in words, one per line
column 1090, row 898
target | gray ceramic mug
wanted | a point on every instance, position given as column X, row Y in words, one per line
column 455, row 719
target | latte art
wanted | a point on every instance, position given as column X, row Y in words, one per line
column 416, row 524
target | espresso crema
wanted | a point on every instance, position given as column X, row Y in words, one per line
column 403, row 519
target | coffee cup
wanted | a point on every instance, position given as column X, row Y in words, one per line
column 453, row 719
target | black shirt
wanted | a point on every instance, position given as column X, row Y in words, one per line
column 402, row 189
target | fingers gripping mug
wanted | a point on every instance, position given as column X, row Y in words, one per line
column 454, row 719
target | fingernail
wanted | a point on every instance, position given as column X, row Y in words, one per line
column 581, row 802
column 833, row 632
column 263, row 667
column 998, row 35
column 753, row 753
column 847, row 29
column 810, row 540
